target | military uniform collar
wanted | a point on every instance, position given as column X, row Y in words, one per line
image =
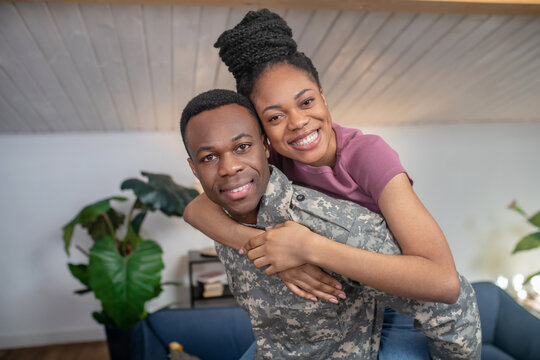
column 276, row 200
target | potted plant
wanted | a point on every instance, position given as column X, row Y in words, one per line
column 530, row 241
column 124, row 272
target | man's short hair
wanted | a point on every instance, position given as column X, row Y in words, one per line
column 210, row 100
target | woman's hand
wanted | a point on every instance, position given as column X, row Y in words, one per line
column 310, row 282
column 281, row 247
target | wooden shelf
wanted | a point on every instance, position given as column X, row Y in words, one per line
column 195, row 294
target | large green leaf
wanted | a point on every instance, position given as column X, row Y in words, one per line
column 132, row 239
column 535, row 219
column 102, row 318
column 137, row 222
column 80, row 272
column 88, row 216
column 161, row 193
column 528, row 242
column 124, row 284
column 100, row 227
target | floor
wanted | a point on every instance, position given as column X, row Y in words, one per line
column 80, row 351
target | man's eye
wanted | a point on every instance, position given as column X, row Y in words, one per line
column 208, row 158
column 243, row 147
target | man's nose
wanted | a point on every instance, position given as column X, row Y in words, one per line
column 297, row 120
column 229, row 165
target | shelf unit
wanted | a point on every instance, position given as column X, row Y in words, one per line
column 195, row 294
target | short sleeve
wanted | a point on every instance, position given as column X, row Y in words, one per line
column 371, row 162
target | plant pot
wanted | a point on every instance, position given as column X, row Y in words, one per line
column 119, row 342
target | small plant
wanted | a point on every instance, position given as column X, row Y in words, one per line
column 125, row 272
column 531, row 241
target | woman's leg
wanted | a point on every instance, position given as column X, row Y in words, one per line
column 399, row 339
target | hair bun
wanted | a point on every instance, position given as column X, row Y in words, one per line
column 260, row 37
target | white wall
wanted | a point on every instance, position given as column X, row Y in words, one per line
column 465, row 174
column 45, row 181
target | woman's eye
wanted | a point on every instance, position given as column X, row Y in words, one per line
column 273, row 118
column 307, row 102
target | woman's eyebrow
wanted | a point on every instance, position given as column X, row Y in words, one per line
column 300, row 93
column 271, row 107
column 277, row 106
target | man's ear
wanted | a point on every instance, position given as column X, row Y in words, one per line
column 266, row 145
column 190, row 162
column 322, row 95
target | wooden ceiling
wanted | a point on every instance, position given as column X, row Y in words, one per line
column 484, row 7
column 132, row 65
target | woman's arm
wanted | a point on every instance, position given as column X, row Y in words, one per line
column 306, row 281
column 425, row 271
column 420, row 239
column 208, row 217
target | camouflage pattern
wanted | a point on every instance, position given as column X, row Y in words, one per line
column 289, row 327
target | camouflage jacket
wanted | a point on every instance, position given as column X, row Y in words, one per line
column 286, row 326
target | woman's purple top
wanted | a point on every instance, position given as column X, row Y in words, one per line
column 364, row 165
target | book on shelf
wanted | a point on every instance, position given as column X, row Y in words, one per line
column 212, row 289
column 209, row 294
column 217, row 286
column 212, row 277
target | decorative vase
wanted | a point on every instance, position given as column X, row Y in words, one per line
column 119, row 342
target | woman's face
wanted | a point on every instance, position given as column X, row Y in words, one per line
column 295, row 116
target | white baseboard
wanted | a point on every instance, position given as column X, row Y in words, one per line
column 50, row 338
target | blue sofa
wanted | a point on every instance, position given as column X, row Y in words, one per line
column 224, row 333
column 217, row 333
column 508, row 330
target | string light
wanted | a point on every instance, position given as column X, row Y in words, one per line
column 522, row 294
column 502, row 282
column 517, row 282
column 535, row 282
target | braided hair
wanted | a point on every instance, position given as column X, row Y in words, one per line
column 210, row 100
column 260, row 40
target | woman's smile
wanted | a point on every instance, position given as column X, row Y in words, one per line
column 295, row 116
column 306, row 141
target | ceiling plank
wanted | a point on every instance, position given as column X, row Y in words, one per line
column 101, row 28
column 211, row 25
column 72, row 29
column 493, row 7
column 24, row 61
column 159, row 27
column 381, row 70
column 132, row 40
column 184, row 43
column 447, row 68
column 417, row 50
column 42, row 27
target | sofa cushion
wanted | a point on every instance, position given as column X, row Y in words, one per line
column 220, row 333
column 490, row 352
column 506, row 325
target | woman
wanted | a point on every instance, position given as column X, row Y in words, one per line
column 284, row 87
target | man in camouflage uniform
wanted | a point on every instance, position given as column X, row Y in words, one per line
column 287, row 326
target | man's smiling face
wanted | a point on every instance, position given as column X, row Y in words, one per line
column 229, row 156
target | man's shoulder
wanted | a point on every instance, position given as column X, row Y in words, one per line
column 341, row 212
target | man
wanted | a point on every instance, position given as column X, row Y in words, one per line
column 228, row 154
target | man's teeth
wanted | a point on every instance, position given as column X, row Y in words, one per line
column 239, row 188
column 308, row 139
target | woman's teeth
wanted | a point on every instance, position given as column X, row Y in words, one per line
column 308, row 139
